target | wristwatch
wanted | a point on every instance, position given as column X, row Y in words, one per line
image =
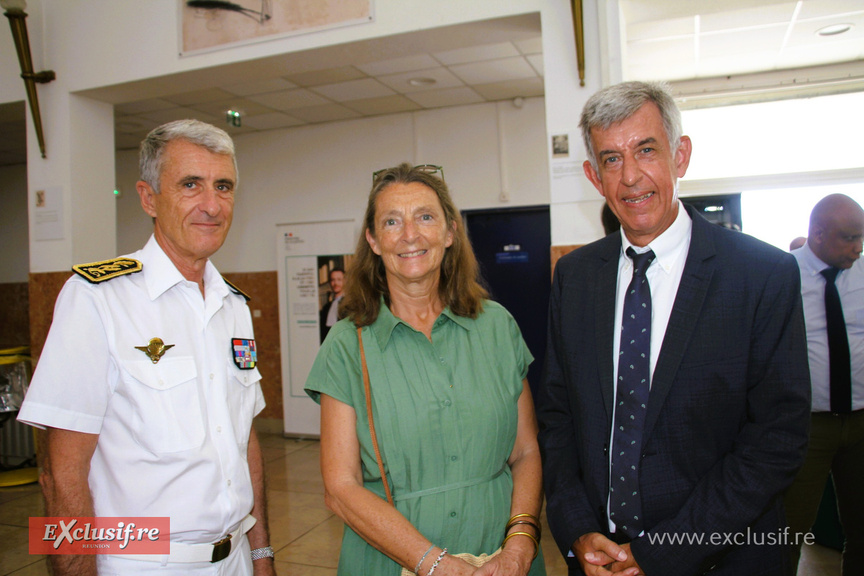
column 259, row 553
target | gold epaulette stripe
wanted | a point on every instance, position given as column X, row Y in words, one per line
column 97, row 272
column 237, row 290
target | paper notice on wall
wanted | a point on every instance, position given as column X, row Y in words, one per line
column 569, row 183
column 307, row 253
column 48, row 214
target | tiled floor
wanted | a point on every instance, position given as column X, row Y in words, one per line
column 304, row 533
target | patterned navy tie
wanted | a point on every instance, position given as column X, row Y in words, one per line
column 625, row 502
column 839, row 360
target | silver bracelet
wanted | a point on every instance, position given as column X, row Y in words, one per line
column 417, row 568
column 259, row 553
column 437, row 561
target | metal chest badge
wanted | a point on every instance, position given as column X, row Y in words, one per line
column 155, row 349
column 245, row 354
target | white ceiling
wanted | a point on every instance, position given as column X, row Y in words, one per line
column 678, row 40
column 703, row 46
column 728, row 51
column 452, row 66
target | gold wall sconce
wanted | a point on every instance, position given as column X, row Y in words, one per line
column 14, row 11
column 579, row 33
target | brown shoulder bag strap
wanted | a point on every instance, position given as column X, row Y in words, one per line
column 368, row 393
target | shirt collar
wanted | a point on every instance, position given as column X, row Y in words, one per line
column 161, row 275
column 808, row 262
column 387, row 322
column 668, row 245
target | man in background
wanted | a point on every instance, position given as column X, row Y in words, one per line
column 610, row 221
column 832, row 287
column 797, row 242
column 330, row 311
column 147, row 384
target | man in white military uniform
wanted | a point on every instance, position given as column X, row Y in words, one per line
column 147, row 384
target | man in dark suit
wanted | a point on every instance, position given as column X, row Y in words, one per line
column 721, row 370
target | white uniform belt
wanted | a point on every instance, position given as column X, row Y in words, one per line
column 187, row 553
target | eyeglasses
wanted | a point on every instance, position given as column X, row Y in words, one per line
column 425, row 168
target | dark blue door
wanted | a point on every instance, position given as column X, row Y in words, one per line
column 513, row 247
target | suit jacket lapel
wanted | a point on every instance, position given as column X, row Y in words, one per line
column 604, row 296
column 698, row 271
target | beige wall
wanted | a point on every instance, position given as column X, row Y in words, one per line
column 324, row 171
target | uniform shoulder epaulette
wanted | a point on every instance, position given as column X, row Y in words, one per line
column 236, row 290
column 97, row 272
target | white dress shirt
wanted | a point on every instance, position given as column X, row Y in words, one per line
column 172, row 435
column 664, row 275
column 850, row 286
column 333, row 311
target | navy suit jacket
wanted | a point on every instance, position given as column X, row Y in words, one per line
column 728, row 413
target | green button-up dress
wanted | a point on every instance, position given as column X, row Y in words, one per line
column 445, row 415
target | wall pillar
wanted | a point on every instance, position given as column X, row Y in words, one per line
column 70, row 196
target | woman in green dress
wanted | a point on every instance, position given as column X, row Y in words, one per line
column 452, row 410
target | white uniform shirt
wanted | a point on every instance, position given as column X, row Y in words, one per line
column 850, row 286
column 173, row 435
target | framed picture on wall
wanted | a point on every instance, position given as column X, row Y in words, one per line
column 207, row 25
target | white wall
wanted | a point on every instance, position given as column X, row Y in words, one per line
column 101, row 43
column 324, row 171
column 14, row 265
column 133, row 225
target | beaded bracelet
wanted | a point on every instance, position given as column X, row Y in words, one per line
column 437, row 561
column 533, row 539
column 417, row 568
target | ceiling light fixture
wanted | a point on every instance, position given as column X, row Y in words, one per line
column 234, row 118
column 422, row 81
column 834, row 29
column 14, row 11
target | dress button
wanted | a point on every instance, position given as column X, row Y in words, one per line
column 446, row 402
column 161, row 382
column 212, row 376
column 219, row 429
column 452, row 514
column 229, row 482
column 453, row 458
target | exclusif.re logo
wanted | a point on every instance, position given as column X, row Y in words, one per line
column 99, row 535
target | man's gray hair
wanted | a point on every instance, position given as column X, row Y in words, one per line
column 617, row 103
column 150, row 157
